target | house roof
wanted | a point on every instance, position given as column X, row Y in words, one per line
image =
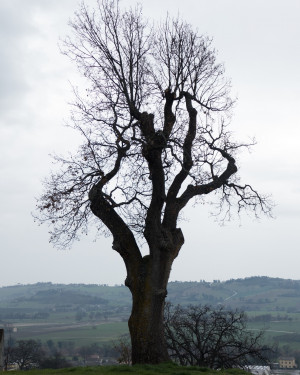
column 286, row 359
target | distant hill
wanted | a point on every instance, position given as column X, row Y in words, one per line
column 249, row 294
column 84, row 314
column 32, row 302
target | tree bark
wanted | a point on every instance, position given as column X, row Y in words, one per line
column 146, row 321
column 148, row 286
column 147, row 277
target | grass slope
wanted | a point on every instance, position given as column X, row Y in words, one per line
column 167, row 369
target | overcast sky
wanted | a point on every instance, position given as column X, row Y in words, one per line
column 259, row 42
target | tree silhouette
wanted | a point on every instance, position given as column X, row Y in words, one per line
column 154, row 122
column 27, row 354
column 215, row 338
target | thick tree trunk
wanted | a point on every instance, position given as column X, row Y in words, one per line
column 146, row 320
column 147, row 277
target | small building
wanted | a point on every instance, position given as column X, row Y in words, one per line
column 287, row 362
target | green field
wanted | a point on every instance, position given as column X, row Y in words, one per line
column 281, row 333
column 79, row 335
column 284, row 333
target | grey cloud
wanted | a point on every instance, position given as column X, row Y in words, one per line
column 15, row 27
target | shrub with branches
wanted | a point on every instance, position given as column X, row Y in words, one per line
column 203, row 336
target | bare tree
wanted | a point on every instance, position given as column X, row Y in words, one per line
column 154, row 124
column 27, row 354
column 202, row 336
column 123, row 347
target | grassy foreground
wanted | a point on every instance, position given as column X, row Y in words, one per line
column 167, row 368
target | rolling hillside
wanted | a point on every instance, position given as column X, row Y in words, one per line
column 87, row 313
column 250, row 294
